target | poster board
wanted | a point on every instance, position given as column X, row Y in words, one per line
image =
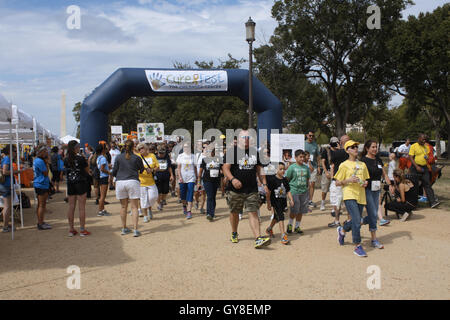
column 116, row 134
column 150, row 132
column 283, row 146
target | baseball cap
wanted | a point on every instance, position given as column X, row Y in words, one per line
column 350, row 143
column 334, row 140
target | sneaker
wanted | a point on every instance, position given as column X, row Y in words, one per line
column 196, row 205
column 240, row 216
column 202, row 211
column 173, row 194
column 234, row 237
column 146, row 219
column 106, row 213
column 359, row 251
column 84, row 233
column 341, row 235
column 112, row 188
column 184, row 210
column 289, row 228
column 189, row 215
column 100, row 214
column 160, row 207
column 150, row 214
column 298, row 230
column 284, row 239
column 73, row 233
column 322, row 207
column 140, row 213
column 261, row 242
column 179, row 200
column 405, row 216
column 377, row 244
column 210, row 218
column 44, row 226
column 384, row 222
column 136, row 233
column 333, row 213
column 8, row 229
column 125, row 231
column 270, row 232
column 334, row 224
column 312, row 204
column 423, row 199
column 435, row 204
column 164, row 202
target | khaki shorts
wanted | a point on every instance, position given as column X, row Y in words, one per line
column 249, row 202
column 313, row 177
column 325, row 183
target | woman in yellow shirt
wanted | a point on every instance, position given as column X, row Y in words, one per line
column 149, row 190
column 352, row 176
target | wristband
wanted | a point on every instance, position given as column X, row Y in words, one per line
column 232, row 179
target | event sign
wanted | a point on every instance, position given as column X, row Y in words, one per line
column 150, row 132
column 283, row 146
column 116, row 134
column 187, row 80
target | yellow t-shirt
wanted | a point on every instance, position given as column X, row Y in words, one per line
column 419, row 152
column 145, row 178
column 353, row 191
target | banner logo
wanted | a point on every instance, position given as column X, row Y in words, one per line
column 187, row 80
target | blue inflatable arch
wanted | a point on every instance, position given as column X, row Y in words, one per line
column 133, row 82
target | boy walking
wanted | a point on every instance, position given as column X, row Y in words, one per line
column 298, row 175
column 279, row 192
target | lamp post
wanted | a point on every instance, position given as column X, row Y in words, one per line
column 250, row 37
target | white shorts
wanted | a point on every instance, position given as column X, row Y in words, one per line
column 128, row 189
column 336, row 194
column 149, row 195
column 313, row 176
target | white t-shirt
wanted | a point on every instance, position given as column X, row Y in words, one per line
column 198, row 160
column 187, row 162
column 114, row 153
column 391, row 168
column 404, row 148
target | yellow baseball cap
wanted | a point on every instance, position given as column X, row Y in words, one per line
column 350, row 143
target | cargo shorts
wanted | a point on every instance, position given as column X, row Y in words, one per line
column 248, row 202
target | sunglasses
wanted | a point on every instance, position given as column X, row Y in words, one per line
column 353, row 147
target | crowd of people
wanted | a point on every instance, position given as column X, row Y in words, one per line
column 143, row 174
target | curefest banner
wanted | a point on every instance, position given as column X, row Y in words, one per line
column 187, row 80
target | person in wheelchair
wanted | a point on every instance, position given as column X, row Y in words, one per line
column 405, row 196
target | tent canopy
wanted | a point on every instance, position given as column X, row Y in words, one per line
column 68, row 138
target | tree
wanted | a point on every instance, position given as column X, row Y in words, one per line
column 330, row 43
column 421, row 54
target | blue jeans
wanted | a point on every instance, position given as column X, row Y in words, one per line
column 187, row 191
column 211, row 191
column 355, row 210
column 372, row 198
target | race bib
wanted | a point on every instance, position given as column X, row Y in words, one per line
column 163, row 165
column 311, row 157
column 376, row 185
column 380, row 166
column 214, row 173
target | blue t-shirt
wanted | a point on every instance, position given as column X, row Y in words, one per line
column 6, row 161
column 40, row 181
column 101, row 160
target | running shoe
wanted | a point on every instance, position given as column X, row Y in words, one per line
column 234, row 237
column 240, row 216
column 384, row 222
column 73, row 233
column 359, row 251
column 334, row 224
column 150, row 214
column 435, row 204
column 322, row 207
column 298, row 230
column 284, row 239
column 84, row 233
column 100, row 214
column 96, row 201
column 202, row 211
column 146, row 219
column 164, row 202
column 189, row 215
column 270, row 232
column 289, row 228
column 209, row 217
column 160, row 207
column 112, row 188
column 125, row 231
column 333, row 213
column 8, row 229
column 312, row 204
column 140, row 213
column 405, row 216
column 179, row 200
column 423, row 199
column 136, row 233
column 377, row 244
column 184, row 210
column 106, row 213
column 261, row 242
column 341, row 235
column 196, row 205
column 44, row 226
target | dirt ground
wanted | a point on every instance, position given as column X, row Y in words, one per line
column 177, row 258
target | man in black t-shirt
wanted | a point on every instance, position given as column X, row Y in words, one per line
column 325, row 160
column 241, row 170
column 337, row 157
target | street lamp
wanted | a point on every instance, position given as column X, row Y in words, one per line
column 250, row 37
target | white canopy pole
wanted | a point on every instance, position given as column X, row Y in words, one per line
column 11, row 173
column 20, row 182
column 35, row 132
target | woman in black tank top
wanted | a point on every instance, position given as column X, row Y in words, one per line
column 406, row 196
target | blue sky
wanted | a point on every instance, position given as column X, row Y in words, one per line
column 40, row 57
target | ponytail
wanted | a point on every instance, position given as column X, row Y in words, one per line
column 129, row 146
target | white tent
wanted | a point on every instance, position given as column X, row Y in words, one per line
column 68, row 138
